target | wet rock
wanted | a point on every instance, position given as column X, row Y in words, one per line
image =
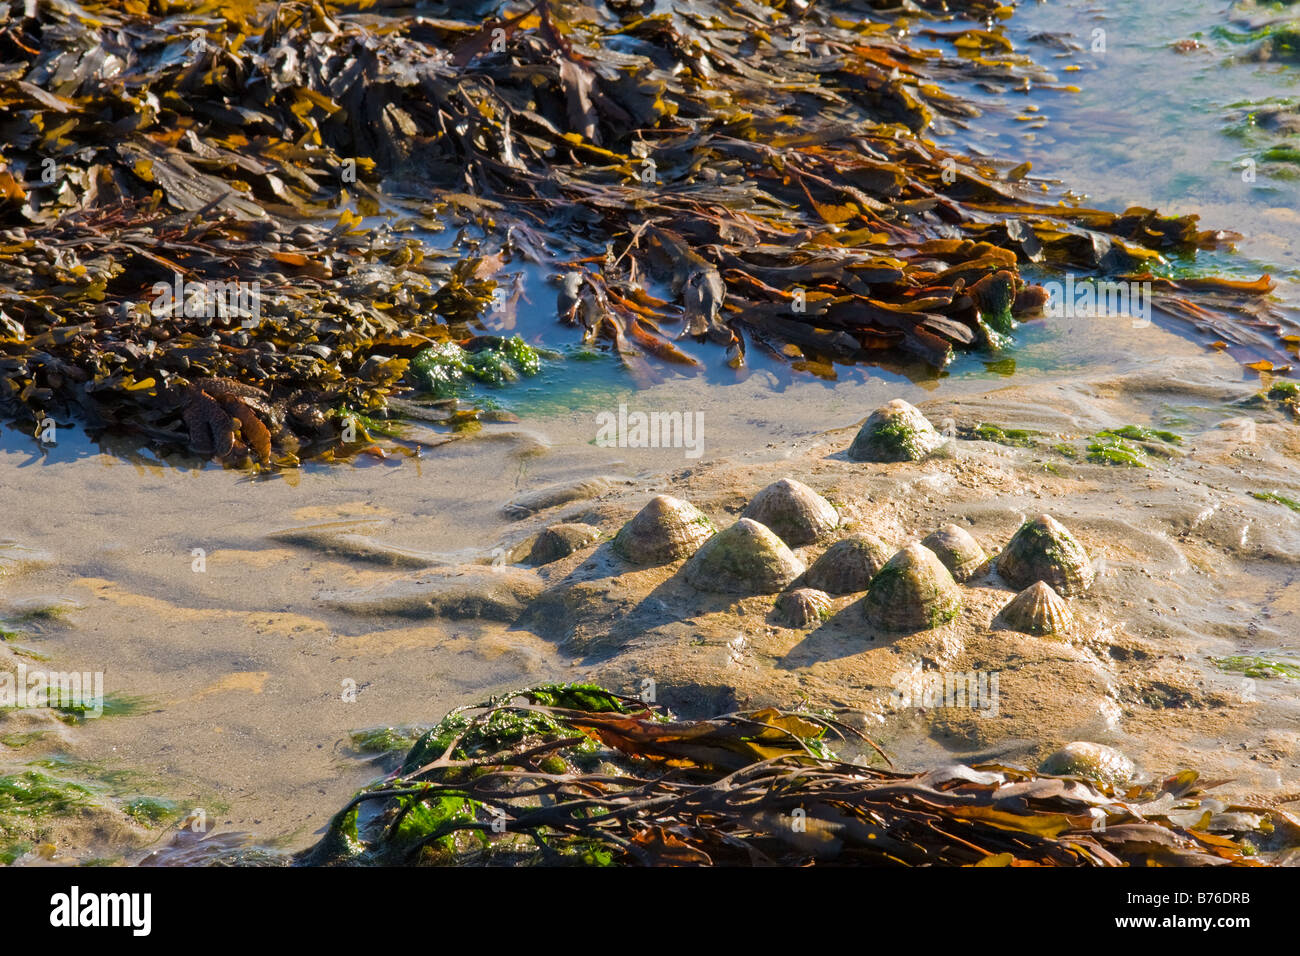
column 793, row 511
column 553, row 496
column 465, row 592
column 746, row 558
column 1092, row 761
column 912, row 592
column 664, row 530
column 896, row 431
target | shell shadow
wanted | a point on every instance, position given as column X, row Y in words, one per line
column 594, row 597
column 844, row 634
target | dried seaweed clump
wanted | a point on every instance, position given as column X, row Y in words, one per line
column 574, row 774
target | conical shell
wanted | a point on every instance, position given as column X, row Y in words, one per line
column 1093, row 761
column 1042, row 550
column 912, row 592
column 793, row 511
column 896, row 431
column 561, row 540
column 746, row 558
column 803, row 607
column 664, row 530
column 960, row 553
column 849, row 564
column 1038, row 610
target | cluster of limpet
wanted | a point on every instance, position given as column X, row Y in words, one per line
column 915, row 588
column 752, row 556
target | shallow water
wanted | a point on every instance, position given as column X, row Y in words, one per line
column 241, row 677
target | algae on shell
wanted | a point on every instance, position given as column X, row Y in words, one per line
column 897, row 431
column 666, row 529
column 746, row 558
column 912, row 592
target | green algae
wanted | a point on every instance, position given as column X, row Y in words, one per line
column 1277, row 499
column 152, row 811
column 1257, row 666
column 1021, row 437
column 1129, row 445
column 447, row 369
column 381, row 740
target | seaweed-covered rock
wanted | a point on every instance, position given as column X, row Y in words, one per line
column 897, row 431
column 664, row 530
column 912, row 592
column 793, row 511
column 746, row 558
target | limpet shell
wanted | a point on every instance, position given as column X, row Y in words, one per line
column 1038, row 610
column 912, row 592
column 1042, row 550
column 1082, row 758
column 561, row 540
column 746, row 558
column 664, row 530
column 793, row 511
column 896, row 431
column 849, row 564
column 960, row 553
column 803, row 607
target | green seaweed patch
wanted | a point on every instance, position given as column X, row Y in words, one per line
column 986, row 431
column 32, row 796
column 1129, row 445
column 12, row 851
column 113, row 705
column 1256, row 666
column 1277, row 499
column 446, row 369
column 1114, row 451
column 151, row 811
column 42, row 614
column 382, row 740
column 16, row 741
